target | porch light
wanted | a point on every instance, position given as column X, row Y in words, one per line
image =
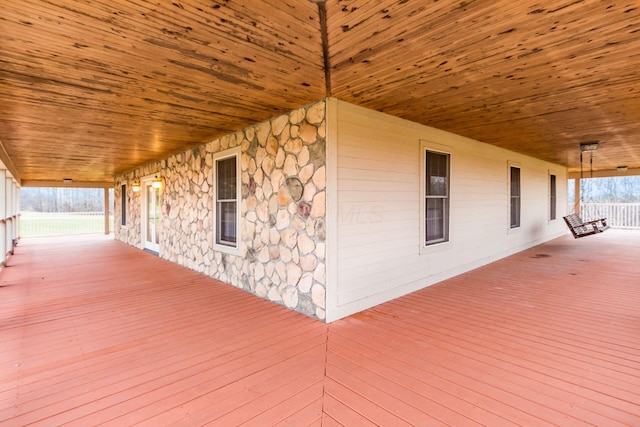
column 135, row 186
column 589, row 146
column 157, row 182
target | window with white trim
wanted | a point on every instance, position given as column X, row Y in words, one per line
column 552, row 197
column 123, row 205
column 227, row 196
column 436, row 197
column 514, row 194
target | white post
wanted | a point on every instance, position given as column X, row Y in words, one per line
column 17, row 211
column 15, row 195
column 3, row 218
column 8, row 197
column 106, row 211
column 577, row 196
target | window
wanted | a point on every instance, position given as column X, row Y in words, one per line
column 226, row 197
column 552, row 197
column 123, row 204
column 514, row 185
column 436, row 193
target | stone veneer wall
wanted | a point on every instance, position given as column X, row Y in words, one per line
column 283, row 167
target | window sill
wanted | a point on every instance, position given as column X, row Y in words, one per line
column 434, row 248
column 226, row 249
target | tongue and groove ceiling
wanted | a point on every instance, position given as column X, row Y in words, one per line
column 90, row 89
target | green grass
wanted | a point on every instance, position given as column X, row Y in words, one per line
column 34, row 224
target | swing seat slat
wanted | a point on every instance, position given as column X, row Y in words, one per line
column 580, row 228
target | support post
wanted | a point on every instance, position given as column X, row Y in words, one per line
column 106, row 211
column 9, row 212
column 577, row 196
column 16, row 212
column 3, row 217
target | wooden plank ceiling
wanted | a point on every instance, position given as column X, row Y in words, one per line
column 92, row 89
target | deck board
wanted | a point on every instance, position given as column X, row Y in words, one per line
column 93, row 332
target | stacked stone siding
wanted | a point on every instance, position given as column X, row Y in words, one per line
column 282, row 228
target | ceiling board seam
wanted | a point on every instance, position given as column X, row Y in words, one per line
column 322, row 15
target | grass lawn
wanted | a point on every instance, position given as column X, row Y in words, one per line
column 35, row 224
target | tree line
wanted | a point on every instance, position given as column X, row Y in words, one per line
column 621, row 189
column 625, row 189
column 40, row 199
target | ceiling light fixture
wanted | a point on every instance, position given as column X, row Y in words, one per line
column 586, row 147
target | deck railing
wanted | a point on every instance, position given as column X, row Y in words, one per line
column 40, row 224
column 619, row 215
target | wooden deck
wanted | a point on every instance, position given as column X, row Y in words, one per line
column 93, row 332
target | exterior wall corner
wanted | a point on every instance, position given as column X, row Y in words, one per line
column 283, row 203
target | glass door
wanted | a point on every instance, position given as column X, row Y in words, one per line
column 151, row 227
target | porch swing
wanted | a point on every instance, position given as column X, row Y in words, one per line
column 577, row 226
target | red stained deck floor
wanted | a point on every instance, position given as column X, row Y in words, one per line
column 94, row 332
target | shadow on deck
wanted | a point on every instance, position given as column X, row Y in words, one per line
column 94, row 332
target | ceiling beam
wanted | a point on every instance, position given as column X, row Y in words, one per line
column 72, row 184
column 322, row 14
column 604, row 173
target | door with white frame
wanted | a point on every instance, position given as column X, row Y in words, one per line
column 151, row 213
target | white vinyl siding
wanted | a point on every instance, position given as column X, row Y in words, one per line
column 380, row 251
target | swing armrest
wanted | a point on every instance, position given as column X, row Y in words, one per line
column 594, row 223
